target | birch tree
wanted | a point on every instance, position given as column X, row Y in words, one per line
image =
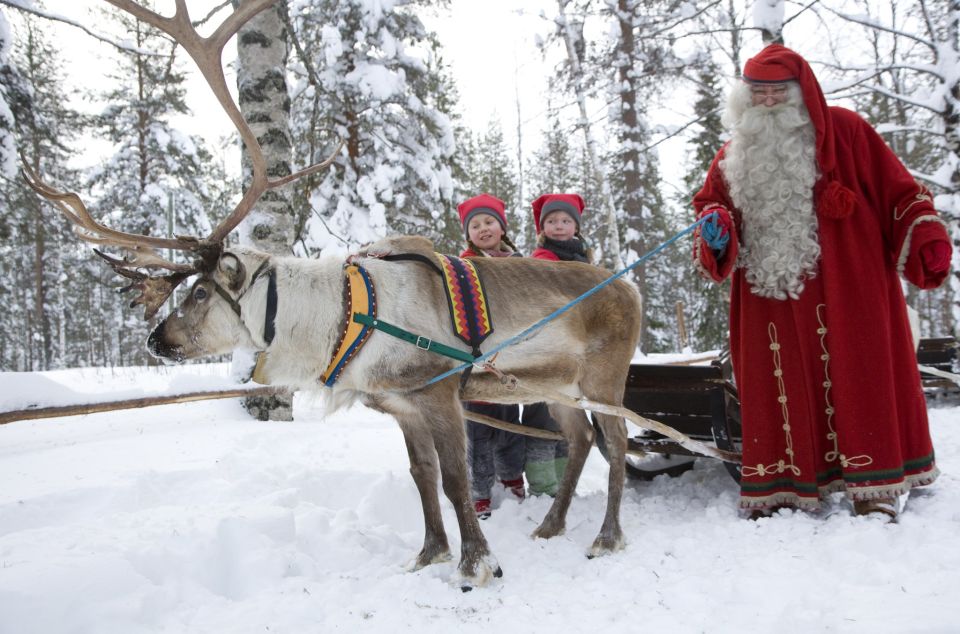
column 570, row 32
column 365, row 74
column 152, row 181
column 262, row 52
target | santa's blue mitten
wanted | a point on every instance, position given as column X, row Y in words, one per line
column 715, row 233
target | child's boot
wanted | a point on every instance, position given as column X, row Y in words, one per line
column 542, row 477
column 482, row 507
column 515, row 487
column 560, row 465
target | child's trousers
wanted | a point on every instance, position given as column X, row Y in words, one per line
column 493, row 454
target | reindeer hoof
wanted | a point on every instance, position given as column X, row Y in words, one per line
column 486, row 569
column 548, row 529
column 605, row 546
column 423, row 559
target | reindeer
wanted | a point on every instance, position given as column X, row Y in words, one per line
column 292, row 310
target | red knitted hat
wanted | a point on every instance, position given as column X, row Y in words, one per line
column 571, row 204
column 777, row 63
column 482, row 204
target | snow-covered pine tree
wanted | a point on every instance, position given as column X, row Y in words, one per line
column 152, row 183
column 52, row 270
column 12, row 92
column 365, row 76
column 9, row 81
column 556, row 167
column 443, row 96
column 580, row 79
column 492, row 171
column 913, row 98
column 40, row 270
column 706, row 301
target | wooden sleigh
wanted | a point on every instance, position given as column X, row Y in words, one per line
column 701, row 403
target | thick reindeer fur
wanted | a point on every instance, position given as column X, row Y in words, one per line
column 586, row 351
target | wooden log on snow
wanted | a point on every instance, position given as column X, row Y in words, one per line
column 135, row 403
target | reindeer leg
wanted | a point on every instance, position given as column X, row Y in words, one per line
column 579, row 434
column 445, row 418
column 610, row 538
column 432, row 418
column 424, row 469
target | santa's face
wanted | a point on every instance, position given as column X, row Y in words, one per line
column 768, row 94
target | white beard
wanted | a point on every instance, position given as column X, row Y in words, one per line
column 770, row 168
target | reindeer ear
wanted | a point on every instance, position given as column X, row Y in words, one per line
column 233, row 270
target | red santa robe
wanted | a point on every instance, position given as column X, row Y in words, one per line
column 830, row 392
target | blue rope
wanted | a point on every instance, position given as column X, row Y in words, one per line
column 543, row 322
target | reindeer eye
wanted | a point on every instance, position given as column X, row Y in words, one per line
column 199, row 293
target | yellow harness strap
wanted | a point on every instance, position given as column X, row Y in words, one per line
column 360, row 299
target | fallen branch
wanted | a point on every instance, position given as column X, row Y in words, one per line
column 135, row 403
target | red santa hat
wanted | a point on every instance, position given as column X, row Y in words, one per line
column 777, row 64
column 482, row 204
column 570, row 204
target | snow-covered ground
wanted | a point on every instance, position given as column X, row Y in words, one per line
column 193, row 518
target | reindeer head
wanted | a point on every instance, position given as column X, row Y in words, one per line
column 198, row 327
column 211, row 320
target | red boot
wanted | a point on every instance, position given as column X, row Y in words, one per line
column 482, row 507
column 515, row 487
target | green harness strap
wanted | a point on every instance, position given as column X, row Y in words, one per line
column 421, row 342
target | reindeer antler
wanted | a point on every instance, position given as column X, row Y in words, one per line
column 207, row 54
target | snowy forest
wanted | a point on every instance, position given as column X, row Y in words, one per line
column 626, row 79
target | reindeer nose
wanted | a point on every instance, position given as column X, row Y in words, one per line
column 153, row 341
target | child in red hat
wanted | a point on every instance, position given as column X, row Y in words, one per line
column 491, row 453
column 557, row 219
column 484, row 221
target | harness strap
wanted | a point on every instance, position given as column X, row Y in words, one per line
column 269, row 322
column 414, row 257
column 360, row 300
column 269, row 326
column 424, row 343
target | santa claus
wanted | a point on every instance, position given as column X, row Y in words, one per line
column 815, row 219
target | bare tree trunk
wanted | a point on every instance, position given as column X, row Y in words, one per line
column 262, row 50
column 40, row 291
column 609, row 233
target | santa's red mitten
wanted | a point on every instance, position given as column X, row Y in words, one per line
column 928, row 263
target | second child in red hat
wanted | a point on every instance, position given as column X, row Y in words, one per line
column 557, row 219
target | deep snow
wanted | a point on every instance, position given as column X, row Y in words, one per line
column 193, row 518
